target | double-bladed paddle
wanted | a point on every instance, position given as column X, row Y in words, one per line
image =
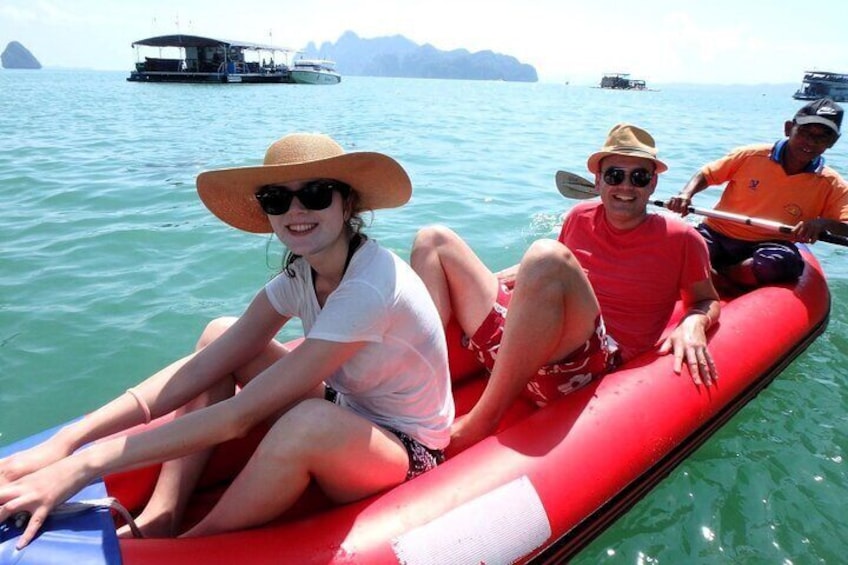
column 572, row 185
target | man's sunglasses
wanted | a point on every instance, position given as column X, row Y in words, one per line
column 641, row 178
column 314, row 195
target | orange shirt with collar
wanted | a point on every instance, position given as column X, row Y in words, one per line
column 757, row 186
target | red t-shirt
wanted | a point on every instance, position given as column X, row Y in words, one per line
column 638, row 275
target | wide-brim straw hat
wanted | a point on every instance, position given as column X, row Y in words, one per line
column 629, row 140
column 379, row 180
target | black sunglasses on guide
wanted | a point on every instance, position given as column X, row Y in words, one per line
column 276, row 199
column 640, row 178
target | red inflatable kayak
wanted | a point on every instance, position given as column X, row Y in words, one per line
column 540, row 489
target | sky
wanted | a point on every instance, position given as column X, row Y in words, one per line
column 659, row 41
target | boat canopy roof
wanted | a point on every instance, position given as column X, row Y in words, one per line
column 181, row 40
column 827, row 75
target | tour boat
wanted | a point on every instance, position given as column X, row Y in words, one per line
column 622, row 81
column 820, row 84
column 538, row 490
column 192, row 58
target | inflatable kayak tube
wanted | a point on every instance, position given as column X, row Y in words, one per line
column 539, row 490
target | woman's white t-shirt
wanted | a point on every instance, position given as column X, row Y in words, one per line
column 400, row 379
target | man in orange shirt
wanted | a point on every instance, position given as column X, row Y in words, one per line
column 787, row 182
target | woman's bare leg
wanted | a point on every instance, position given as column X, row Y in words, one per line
column 348, row 457
column 163, row 513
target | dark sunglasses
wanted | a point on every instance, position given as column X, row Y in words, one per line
column 314, row 195
column 641, row 178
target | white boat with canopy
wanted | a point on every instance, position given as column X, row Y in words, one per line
column 192, row 58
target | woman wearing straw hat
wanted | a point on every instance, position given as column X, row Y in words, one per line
column 374, row 348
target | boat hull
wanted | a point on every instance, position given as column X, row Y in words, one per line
column 189, row 77
column 834, row 94
column 314, row 77
column 548, row 481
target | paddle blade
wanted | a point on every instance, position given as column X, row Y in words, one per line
column 575, row 186
column 833, row 238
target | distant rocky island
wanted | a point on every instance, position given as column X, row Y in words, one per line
column 397, row 56
column 16, row 56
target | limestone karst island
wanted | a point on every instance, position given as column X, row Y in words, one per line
column 16, row 56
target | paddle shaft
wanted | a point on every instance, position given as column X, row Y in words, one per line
column 756, row 222
column 738, row 218
column 574, row 186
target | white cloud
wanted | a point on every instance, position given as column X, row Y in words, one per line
column 16, row 14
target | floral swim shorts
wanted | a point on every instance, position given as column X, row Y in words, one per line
column 421, row 457
column 597, row 356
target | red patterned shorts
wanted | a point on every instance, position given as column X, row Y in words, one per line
column 597, row 356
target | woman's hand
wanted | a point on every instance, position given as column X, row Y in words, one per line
column 37, row 493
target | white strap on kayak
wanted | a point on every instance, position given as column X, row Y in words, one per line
column 110, row 502
column 74, row 507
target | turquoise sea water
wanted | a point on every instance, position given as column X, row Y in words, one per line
column 110, row 266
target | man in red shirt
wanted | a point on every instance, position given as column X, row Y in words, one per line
column 787, row 182
column 578, row 307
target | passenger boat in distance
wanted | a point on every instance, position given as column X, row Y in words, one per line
column 538, row 490
column 315, row 71
column 192, row 58
column 821, row 84
column 622, row 81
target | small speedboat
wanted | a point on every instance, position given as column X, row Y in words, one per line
column 314, row 71
column 539, row 489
